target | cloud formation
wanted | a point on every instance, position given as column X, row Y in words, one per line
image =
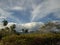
column 33, row 9
column 5, row 14
column 46, row 7
column 30, row 26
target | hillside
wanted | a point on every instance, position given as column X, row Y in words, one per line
column 53, row 27
column 46, row 34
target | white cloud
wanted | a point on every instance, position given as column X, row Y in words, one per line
column 31, row 26
column 4, row 14
column 45, row 8
column 57, row 13
column 17, row 8
column 38, row 8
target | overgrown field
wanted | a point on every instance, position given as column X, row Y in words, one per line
column 31, row 39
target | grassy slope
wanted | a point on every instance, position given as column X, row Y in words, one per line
column 31, row 39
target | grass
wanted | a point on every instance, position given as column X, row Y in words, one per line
column 31, row 39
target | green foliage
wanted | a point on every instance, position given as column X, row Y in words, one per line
column 25, row 30
column 31, row 39
column 5, row 22
column 9, row 36
column 5, row 32
column 50, row 28
column 58, row 26
column 13, row 28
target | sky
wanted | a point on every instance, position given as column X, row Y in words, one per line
column 27, row 11
column 33, row 26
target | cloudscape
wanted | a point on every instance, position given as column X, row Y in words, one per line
column 29, row 11
column 29, row 22
column 24, row 11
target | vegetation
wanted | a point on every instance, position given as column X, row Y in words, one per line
column 50, row 28
column 9, row 36
column 31, row 39
column 25, row 30
column 5, row 22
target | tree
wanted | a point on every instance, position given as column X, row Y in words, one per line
column 26, row 31
column 13, row 28
column 7, row 29
column 23, row 30
column 48, row 27
column 5, row 22
column 58, row 26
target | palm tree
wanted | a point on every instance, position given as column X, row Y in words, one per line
column 5, row 22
